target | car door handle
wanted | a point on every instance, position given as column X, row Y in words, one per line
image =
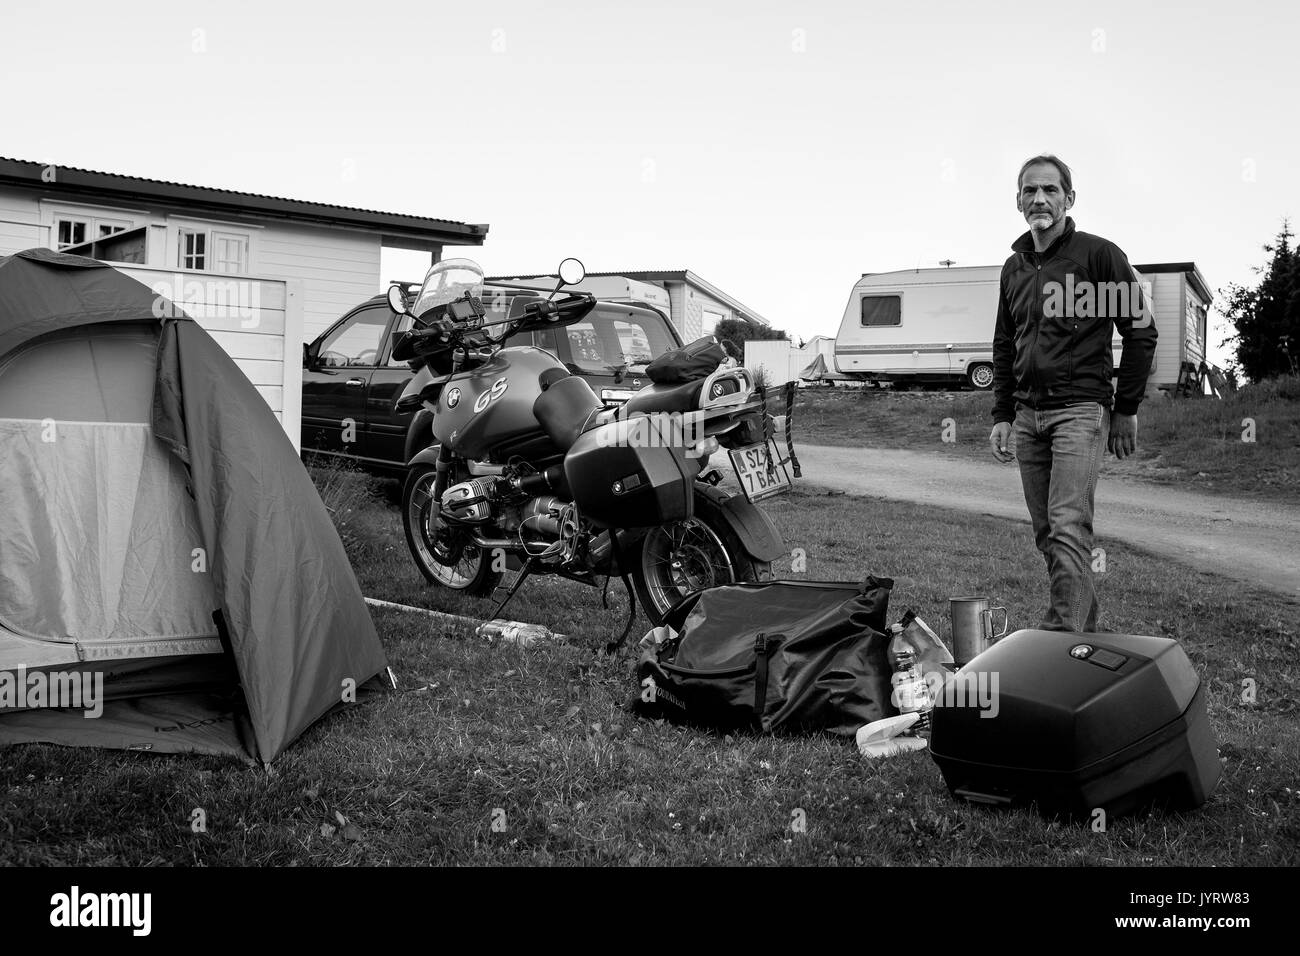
column 355, row 381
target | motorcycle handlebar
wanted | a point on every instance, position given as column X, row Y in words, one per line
column 446, row 332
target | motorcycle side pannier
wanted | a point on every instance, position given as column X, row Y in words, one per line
column 1075, row 722
column 629, row 474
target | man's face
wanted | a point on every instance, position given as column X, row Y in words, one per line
column 1042, row 200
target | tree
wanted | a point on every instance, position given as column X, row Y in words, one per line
column 1267, row 316
column 737, row 332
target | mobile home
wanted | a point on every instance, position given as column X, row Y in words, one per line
column 936, row 325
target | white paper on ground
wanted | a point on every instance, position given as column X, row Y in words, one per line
column 885, row 738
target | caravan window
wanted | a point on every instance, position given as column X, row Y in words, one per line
column 882, row 310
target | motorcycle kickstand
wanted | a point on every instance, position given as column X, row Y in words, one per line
column 612, row 646
column 524, row 572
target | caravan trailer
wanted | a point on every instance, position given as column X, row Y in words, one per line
column 923, row 326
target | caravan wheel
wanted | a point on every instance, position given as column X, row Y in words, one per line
column 980, row 375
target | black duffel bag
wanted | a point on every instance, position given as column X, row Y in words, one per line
column 698, row 360
column 781, row 656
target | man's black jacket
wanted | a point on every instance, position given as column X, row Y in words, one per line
column 1056, row 312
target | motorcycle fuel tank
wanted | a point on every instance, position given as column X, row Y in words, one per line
column 492, row 405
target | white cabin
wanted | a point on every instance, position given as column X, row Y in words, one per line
column 262, row 274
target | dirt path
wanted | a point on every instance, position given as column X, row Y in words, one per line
column 1254, row 542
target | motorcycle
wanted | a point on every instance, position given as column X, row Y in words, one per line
column 530, row 471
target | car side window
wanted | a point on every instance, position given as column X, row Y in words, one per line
column 357, row 341
column 400, row 328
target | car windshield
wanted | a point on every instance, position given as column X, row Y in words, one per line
column 610, row 341
column 446, row 282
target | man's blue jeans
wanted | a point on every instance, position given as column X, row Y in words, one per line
column 1059, row 451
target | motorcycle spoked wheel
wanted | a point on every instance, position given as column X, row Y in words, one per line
column 678, row 559
column 443, row 554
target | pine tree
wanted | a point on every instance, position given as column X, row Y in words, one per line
column 1267, row 316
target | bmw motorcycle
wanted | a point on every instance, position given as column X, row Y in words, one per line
column 530, row 471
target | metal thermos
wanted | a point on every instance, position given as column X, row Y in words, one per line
column 972, row 627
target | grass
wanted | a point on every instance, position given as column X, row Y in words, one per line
column 1194, row 443
column 538, row 740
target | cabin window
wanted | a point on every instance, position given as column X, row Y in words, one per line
column 70, row 232
column 882, row 310
column 710, row 323
column 212, row 250
column 229, row 252
column 193, row 249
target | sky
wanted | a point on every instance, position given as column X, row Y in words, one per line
column 777, row 149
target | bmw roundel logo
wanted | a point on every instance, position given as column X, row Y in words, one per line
column 453, row 398
column 1081, row 650
column 717, row 389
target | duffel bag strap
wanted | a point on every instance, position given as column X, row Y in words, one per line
column 763, row 647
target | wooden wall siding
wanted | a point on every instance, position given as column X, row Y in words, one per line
column 339, row 270
column 20, row 224
column 677, row 310
column 258, row 324
column 1194, row 338
column 700, row 302
column 1166, row 291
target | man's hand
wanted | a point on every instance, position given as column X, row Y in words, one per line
column 999, row 438
column 1123, row 435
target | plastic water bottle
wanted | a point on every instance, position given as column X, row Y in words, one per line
column 514, row 632
column 911, row 692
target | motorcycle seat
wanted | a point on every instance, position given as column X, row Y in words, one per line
column 665, row 398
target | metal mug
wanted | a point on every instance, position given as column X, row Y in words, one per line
column 972, row 627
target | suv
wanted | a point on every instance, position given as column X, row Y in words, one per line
column 351, row 383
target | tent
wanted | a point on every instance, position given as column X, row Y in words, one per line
column 159, row 537
column 818, row 371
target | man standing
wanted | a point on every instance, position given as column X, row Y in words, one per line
column 1062, row 294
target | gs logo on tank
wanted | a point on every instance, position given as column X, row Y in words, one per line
column 490, row 395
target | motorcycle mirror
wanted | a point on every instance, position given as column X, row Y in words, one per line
column 397, row 300
column 572, row 271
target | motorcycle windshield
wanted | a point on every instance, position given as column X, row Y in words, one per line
column 447, row 281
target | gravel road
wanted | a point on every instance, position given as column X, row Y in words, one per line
column 1252, row 541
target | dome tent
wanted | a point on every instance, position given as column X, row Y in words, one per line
column 158, row 532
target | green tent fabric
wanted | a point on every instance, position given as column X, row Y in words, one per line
column 158, row 529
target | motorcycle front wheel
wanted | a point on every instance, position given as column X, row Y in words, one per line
column 444, row 555
column 678, row 559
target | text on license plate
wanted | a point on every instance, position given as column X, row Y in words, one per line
column 756, row 478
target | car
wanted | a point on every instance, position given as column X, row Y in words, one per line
column 351, row 383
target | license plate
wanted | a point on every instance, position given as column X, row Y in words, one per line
column 760, row 473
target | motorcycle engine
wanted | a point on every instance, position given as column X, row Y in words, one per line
column 546, row 520
column 470, row 501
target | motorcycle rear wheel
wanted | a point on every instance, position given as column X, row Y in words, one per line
column 442, row 558
column 675, row 560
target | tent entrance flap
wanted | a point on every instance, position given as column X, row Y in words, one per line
column 101, row 543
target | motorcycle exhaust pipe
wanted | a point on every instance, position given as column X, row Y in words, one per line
column 543, row 481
